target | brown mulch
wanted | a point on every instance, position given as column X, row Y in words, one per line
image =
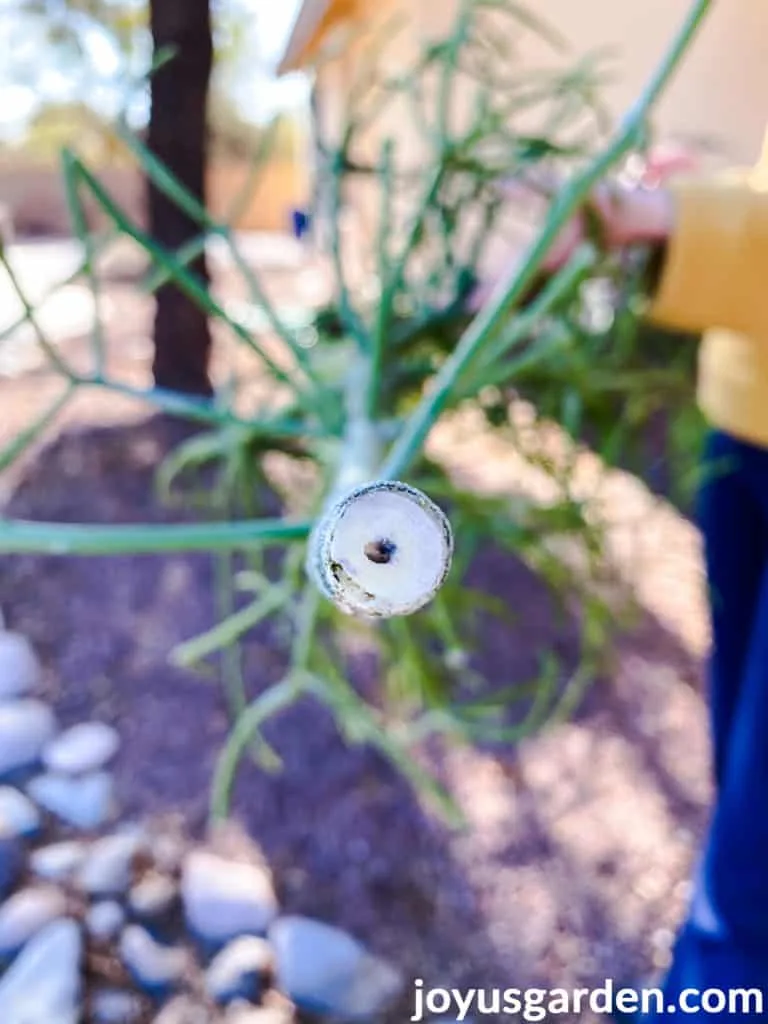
column 574, row 861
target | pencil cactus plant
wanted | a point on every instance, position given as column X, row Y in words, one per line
column 359, row 385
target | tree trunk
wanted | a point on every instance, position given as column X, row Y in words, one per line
column 177, row 135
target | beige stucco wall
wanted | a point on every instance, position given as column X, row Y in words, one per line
column 722, row 88
column 721, row 91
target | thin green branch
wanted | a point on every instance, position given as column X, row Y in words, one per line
column 199, row 410
column 559, row 287
column 191, row 251
column 185, row 254
column 170, row 186
column 448, row 76
column 511, row 289
column 363, row 725
column 381, row 328
column 546, row 348
column 23, row 537
column 307, row 620
column 186, row 281
column 231, row 660
column 233, row 678
column 270, row 703
column 230, row 629
column 393, row 282
column 29, row 317
column 99, row 245
column 80, row 225
column 18, row 445
column 349, row 316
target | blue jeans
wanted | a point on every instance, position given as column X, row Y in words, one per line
column 724, row 942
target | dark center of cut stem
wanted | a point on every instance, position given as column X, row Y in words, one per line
column 380, row 552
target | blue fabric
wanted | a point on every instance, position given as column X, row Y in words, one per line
column 724, row 943
column 300, row 223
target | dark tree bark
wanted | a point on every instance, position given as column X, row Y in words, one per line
column 177, row 135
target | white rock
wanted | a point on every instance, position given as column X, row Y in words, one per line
column 244, row 1013
column 239, row 970
column 25, row 728
column 183, row 1010
column 154, row 967
column 224, row 899
column 18, row 815
column 19, row 668
column 108, row 868
column 113, row 1006
column 104, row 920
column 168, row 851
column 325, row 970
column 81, row 749
column 153, row 897
column 59, row 861
column 26, row 913
column 85, row 802
column 44, row 984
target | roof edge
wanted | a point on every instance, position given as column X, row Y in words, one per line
column 309, row 19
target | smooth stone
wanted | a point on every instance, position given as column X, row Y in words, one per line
column 239, row 970
column 325, row 970
column 167, row 852
column 85, row 802
column 19, row 667
column 183, row 1010
column 244, row 1013
column 18, row 815
column 108, row 867
column 26, row 913
column 153, row 897
column 104, row 920
column 154, row 967
column 11, row 864
column 113, row 1006
column 44, row 983
column 224, row 899
column 83, row 748
column 59, row 861
column 25, row 728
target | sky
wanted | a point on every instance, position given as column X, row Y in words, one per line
column 25, row 85
column 274, row 20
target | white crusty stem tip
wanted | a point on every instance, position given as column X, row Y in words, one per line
column 382, row 550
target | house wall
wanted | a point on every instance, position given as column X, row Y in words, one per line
column 721, row 90
column 340, row 80
column 720, row 94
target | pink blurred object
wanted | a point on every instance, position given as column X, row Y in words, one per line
column 649, row 171
column 666, row 160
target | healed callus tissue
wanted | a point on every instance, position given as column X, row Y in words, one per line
column 381, row 550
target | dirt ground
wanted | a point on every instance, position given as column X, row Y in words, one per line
column 573, row 867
